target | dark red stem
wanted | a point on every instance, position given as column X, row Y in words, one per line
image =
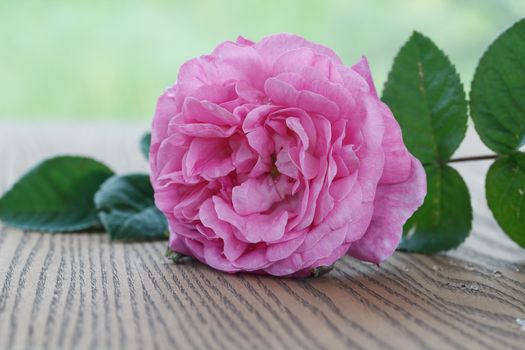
column 468, row 159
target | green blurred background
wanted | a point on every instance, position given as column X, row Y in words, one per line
column 95, row 59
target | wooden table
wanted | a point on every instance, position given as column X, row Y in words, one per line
column 82, row 291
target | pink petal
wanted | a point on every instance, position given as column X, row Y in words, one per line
column 294, row 60
column 350, row 212
column 213, row 257
column 193, row 74
column 310, row 165
column 340, row 188
column 371, row 154
column 301, row 206
column 254, row 195
column 254, row 260
column 302, row 122
column 281, row 250
column 285, row 165
column 196, row 248
column 257, row 117
column 354, row 82
column 398, row 162
column 271, row 47
column 168, row 155
column 325, row 204
column 316, row 186
column 334, row 92
column 266, row 228
column 287, row 266
column 243, row 41
column 249, row 93
column 208, row 217
column 205, row 130
column 393, row 205
column 363, row 70
column 280, row 92
column 349, row 158
column 228, row 62
column 262, row 167
column 244, row 60
column 192, row 199
column 177, row 244
column 254, row 228
column 336, row 254
column 259, row 139
column 243, row 158
column 295, row 125
column 325, row 246
column 324, row 135
column 233, row 248
column 215, row 93
column 195, row 111
column 295, row 79
column 209, row 158
column 168, row 105
column 315, row 103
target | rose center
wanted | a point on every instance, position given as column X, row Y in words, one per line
column 274, row 172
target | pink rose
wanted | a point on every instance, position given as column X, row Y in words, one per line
column 274, row 157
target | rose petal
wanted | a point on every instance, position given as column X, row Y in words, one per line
column 209, row 158
column 254, row 196
column 363, row 70
column 195, row 111
column 393, row 205
column 270, row 48
column 206, row 130
column 254, row 260
column 253, row 228
column 398, row 162
column 281, row 250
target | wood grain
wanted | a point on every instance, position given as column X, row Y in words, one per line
column 81, row 291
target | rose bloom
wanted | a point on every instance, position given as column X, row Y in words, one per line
column 274, row 157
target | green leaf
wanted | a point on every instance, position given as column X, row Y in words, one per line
column 497, row 96
column 505, row 188
column 445, row 218
column 145, row 142
column 55, row 196
column 127, row 210
column 426, row 96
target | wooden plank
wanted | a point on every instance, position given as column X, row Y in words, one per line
column 82, row 291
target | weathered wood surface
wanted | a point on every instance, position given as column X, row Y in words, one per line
column 81, row 291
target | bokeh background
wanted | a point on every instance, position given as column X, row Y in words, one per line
column 110, row 59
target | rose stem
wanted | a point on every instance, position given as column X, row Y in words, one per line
column 468, row 159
